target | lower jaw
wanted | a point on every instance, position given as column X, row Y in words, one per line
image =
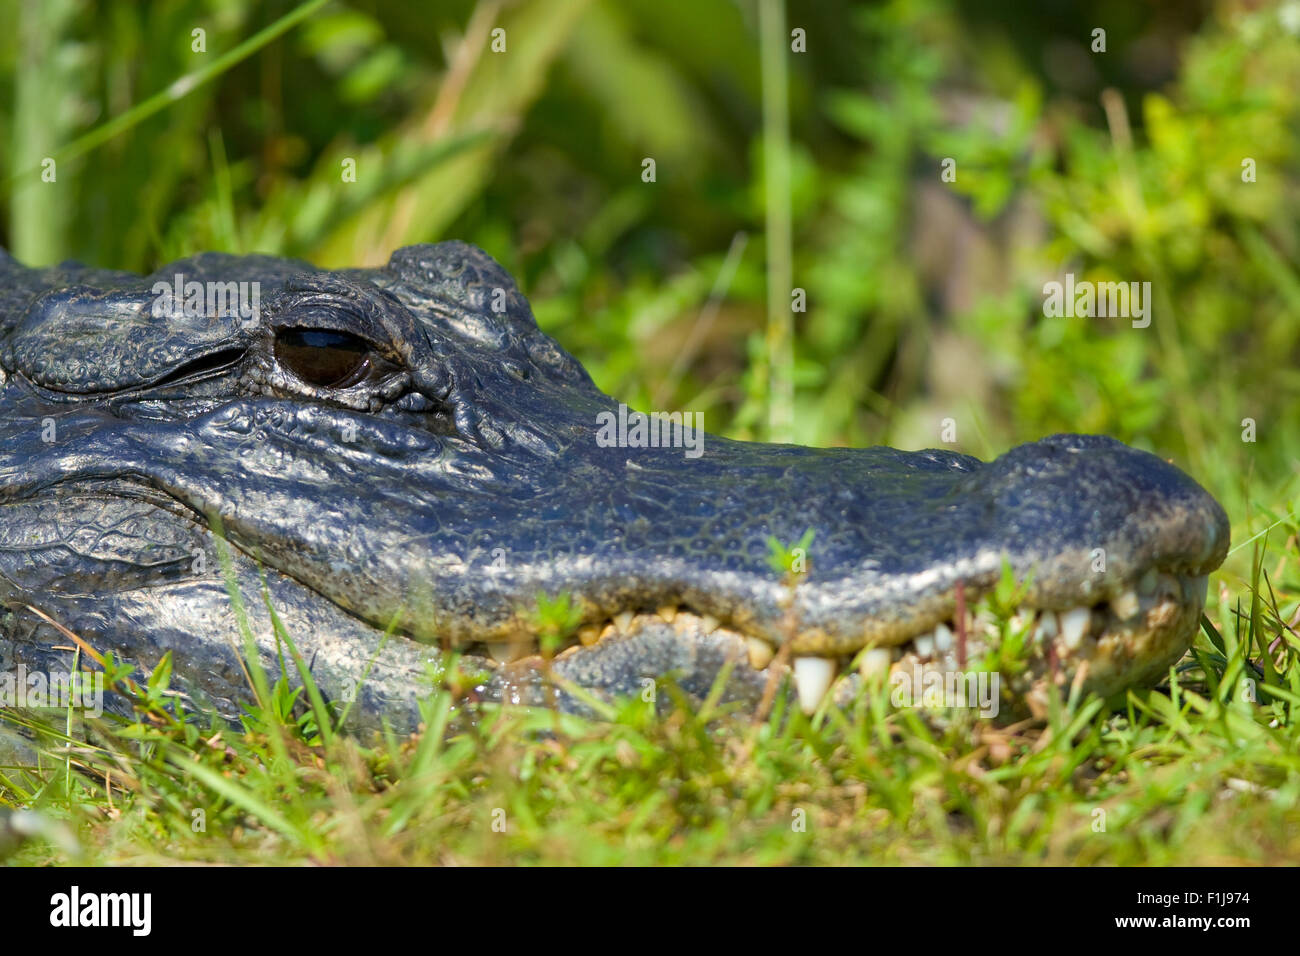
column 1128, row 642
column 1113, row 656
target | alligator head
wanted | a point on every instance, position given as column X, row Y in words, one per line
column 402, row 462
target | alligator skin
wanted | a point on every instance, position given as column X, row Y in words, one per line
column 401, row 450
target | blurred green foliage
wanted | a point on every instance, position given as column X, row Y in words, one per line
column 924, row 297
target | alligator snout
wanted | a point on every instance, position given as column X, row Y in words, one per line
column 1093, row 513
column 1112, row 545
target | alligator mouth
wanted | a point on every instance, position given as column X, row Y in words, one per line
column 1127, row 639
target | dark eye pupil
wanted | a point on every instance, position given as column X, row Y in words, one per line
column 322, row 357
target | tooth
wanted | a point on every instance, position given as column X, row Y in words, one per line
column 942, row 638
column 668, row 612
column 1126, row 605
column 589, row 634
column 924, row 644
column 501, row 651
column 1048, row 626
column 623, row 621
column 1074, row 625
column 874, row 662
column 709, row 623
column 812, row 678
column 760, row 652
column 1146, row 585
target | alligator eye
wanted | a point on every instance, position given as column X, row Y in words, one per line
column 323, row 357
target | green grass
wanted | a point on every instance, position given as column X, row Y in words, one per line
column 1194, row 772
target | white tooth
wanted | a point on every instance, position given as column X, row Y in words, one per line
column 760, row 652
column 1126, row 605
column 668, row 612
column 1074, row 625
column 1146, row 585
column 942, row 638
column 875, row 662
column 501, row 651
column 812, row 678
column 924, row 644
column 1048, row 626
column 708, row 623
column 623, row 621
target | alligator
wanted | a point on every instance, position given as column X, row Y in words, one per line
column 399, row 470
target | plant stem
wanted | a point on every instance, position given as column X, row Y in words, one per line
column 776, row 190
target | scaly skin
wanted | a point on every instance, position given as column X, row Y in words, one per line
column 458, row 474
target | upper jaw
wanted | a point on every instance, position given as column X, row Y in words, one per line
column 1080, row 522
